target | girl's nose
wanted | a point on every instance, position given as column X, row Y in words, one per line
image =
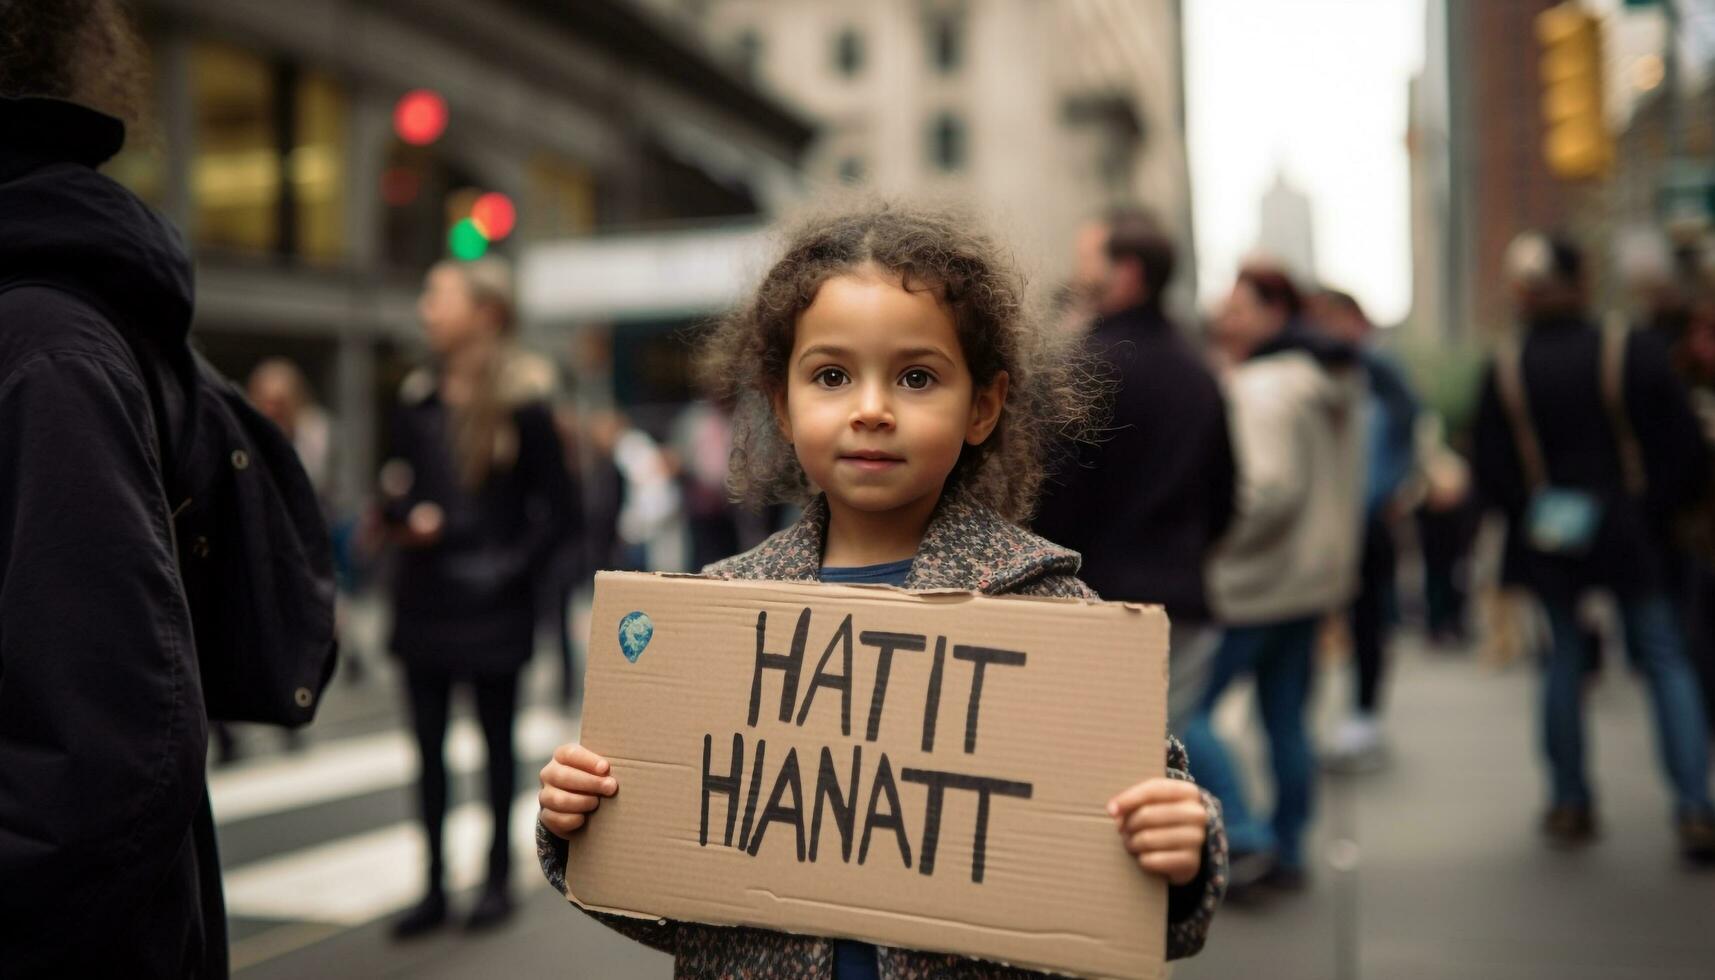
column 874, row 410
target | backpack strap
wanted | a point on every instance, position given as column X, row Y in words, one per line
column 1509, row 384
column 1615, row 335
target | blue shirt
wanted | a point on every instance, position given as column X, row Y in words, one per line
column 887, row 573
column 854, row 960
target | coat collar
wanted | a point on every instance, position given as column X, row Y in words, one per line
column 36, row 131
column 966, row 546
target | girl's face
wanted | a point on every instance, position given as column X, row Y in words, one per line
column 878, row 399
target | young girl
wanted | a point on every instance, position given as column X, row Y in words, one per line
column 886, row 361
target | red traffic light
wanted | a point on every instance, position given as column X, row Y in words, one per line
column 420, row 117
column 494, row 215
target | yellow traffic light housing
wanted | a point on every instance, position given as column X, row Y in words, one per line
column 1576, row 142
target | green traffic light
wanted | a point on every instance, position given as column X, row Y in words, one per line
column 466, row 241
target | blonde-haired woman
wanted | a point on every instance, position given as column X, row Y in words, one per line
column 478, row 498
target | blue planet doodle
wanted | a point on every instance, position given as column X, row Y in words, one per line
column 635, row 632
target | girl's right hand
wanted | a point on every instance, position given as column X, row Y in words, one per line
column 573, row 783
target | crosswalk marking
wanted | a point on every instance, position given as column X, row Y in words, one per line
column 363, row 764
column 358, row 879
column 352, row 880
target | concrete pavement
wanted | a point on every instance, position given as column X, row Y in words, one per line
column 1450, row 878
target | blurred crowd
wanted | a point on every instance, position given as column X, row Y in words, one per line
column 1270, row 477
column 1267, row 484
column 1265, row 477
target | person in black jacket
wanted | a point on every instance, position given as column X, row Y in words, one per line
column 1162, row 479
column 1577, row 521
column 107, row 851
column 480, row 500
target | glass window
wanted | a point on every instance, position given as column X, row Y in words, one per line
column 269, row 171
column 947, row 142
column 235, row 180
column 562, row 199
column 318, row 168
column 946, row 42
column 848, row 52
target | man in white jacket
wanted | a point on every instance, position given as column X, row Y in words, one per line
column 1296, row 405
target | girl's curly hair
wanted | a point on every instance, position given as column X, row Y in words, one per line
column 1049, row 397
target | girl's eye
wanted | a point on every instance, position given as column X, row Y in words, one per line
column 917, row 379
column 830, row 377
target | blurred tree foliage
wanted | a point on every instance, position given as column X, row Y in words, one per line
column 1446, row 378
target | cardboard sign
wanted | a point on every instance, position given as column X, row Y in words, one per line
column 922, row 770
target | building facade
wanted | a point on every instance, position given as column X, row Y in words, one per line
column 276, row 147
column 1040, row 113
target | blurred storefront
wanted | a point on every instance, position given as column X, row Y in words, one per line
column 320, row 155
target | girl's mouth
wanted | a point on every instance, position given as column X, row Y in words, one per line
column 872, row 461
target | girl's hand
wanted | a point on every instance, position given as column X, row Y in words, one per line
column 573, row 783
column 1163, row 823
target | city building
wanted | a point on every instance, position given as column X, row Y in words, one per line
column 1479, row 176
column 1438, row 281
column 1286, row 231
column 1039, row 113
column 321, row 154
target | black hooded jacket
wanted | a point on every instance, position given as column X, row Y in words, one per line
column 1146, row 505
column 1561, row 364
column 107, row 861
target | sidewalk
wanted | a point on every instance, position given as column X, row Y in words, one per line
column 1452, row 880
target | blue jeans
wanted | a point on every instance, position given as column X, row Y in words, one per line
column 1657, row 651
column 1280, row 656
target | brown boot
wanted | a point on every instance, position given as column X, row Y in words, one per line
column 1697, row 837
column 1569, row 826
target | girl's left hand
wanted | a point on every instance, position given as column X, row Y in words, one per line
column 1163, row 823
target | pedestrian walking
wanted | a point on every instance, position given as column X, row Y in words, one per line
column 1162, row 473
column 1447, row 524
column 479, row 501
column 1357, row 744
column 886, row 360
column 1291, row 557
column 1694, row 359
column 1586, row 442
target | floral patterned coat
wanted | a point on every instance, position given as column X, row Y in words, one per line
column 966, row 546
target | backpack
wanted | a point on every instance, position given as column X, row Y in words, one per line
column 256, row 561
column 254, row 554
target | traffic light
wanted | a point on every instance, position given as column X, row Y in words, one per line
column 1576, row 142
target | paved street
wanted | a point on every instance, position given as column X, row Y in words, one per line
column 1450, row 880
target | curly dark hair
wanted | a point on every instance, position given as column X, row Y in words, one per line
column 85, row 51
column 1050, row 398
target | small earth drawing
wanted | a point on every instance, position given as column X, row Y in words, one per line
column 635, row 631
